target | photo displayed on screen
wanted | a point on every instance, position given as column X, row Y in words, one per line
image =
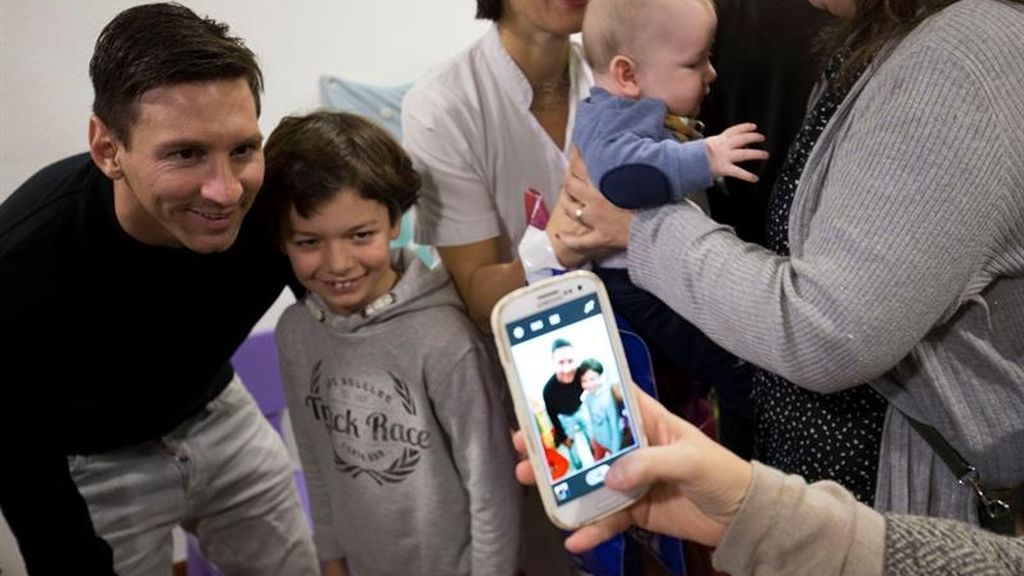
column 573, row 387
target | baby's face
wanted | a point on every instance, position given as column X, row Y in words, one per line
column 590, row 380
column 674, row 66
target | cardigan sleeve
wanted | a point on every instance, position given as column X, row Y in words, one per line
column 921, row 546
column 895, row 234
column 786, row 527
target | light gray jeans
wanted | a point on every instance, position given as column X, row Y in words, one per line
column 223, row 475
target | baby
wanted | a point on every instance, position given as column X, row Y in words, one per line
column 636, row 130
column 642, row 148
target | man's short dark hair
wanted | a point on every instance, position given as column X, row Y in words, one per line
column 309, row 159
column 156, row 45
column 560, row 343
column 488, row 10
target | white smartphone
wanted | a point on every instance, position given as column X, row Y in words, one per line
column 573, row 395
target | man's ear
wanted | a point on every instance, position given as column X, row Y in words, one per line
column 623, row 73
column 105, row 148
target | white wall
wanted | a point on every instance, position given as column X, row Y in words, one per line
column 45, row 95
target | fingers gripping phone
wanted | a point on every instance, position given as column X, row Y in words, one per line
column 573, row 395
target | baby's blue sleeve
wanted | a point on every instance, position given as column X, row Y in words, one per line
column 646, row 173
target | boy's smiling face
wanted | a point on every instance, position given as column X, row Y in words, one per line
column 673, row 61
column 590, row 380
column 341, row 252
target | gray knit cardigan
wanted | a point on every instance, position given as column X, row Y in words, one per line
column 907, row 265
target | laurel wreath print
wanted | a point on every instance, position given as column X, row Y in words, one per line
column 401, row 466
column 314, row 381
column 403, row 392
column 395, row 472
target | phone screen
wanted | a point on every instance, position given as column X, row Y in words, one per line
column 573, row 387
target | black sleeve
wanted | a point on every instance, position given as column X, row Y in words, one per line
column 39, row 500
column 46, row 513
column 552, row 404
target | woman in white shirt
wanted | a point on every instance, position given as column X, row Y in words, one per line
column 484, row 127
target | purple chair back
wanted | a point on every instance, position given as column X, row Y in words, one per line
column 256, row 363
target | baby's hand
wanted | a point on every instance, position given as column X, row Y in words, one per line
column 732, row 147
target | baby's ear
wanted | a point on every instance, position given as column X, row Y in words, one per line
column 622, row 70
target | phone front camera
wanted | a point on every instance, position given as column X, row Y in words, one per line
column 579, row 287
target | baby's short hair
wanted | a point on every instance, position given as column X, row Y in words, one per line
column 608, row 29
column 613, row 27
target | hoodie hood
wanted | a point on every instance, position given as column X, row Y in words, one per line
column 418, row 287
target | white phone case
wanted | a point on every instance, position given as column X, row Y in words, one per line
column 547, row 333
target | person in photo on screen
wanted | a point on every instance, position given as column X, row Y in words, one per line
column 603, row 403
column 562, row 391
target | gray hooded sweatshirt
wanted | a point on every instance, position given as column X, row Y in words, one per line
column 399, row 421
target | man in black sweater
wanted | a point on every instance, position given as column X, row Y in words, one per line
column 130, row 276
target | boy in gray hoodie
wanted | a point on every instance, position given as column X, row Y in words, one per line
column 396, row 407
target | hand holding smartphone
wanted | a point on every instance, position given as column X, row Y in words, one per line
column 560, row 348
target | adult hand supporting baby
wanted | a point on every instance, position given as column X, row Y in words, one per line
column 604, row 227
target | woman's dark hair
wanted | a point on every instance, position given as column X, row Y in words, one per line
column 489, row 10
column 156, row 45
column 875, row 23
column 309, row 159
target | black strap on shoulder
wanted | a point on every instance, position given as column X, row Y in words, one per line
column 997, row 508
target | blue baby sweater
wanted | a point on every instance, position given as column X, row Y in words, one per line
column 632, row 157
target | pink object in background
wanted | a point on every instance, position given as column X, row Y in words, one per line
column 537, row 214
column 535, row 252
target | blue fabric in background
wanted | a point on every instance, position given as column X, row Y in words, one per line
column 382, row 104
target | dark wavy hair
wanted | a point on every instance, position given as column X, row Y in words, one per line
column 876, row 23
column 309, row 159
column 590, row 364
column 156, row 45
column 489, row 10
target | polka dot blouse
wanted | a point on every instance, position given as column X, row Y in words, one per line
column 819, row 436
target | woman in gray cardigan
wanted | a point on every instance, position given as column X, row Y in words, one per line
column 906, row 237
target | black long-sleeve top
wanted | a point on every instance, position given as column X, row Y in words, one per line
column 107, row 342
